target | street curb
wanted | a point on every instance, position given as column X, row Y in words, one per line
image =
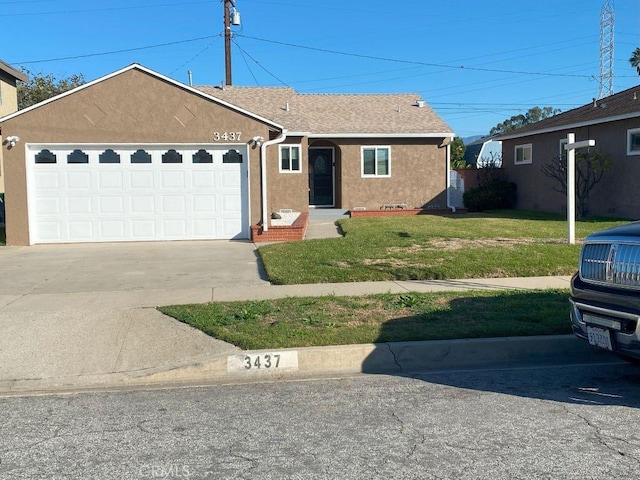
column 400, row 358
column 397, row 358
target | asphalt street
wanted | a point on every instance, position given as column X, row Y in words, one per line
column 564, row 422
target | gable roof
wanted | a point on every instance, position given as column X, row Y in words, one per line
column 138, row 67
column 620, row 106
column 6, row 68
column 338, row 115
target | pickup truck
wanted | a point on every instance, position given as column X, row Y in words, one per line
column 605, row 292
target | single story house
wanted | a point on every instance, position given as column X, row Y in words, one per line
column 485, row 152
column 613, row 122
column 9, row 78
column 137, row 156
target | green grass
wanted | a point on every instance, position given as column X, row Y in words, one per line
column 426, row 247
column 331, row 320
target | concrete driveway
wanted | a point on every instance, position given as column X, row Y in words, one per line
column 73, row 314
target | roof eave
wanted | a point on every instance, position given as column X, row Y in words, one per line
column 13, row 72
column 136, row 66
column 382, row 135
column 569, row 126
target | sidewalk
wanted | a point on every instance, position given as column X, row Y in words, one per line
column 126, row 360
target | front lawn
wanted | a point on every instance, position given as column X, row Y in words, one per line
column 427, row 247
column 332, row 320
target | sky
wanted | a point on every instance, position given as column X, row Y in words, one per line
column 476, row 63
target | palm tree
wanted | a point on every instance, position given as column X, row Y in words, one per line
column 635, row 60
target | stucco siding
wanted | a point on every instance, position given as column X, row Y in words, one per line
column 130, row 108
column 615, row 195
column 418, row 175
column 290, row 189
column 8, row 104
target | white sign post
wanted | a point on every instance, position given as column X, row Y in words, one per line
column 570, row 147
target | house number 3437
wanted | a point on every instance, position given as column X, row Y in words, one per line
column 227, row 136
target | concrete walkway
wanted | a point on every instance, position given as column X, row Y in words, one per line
column 322, row 223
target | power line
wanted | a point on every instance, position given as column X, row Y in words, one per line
column 106, row 9
column 414, row 62
column 159, row 45
column 194, row 57
column 258, row 63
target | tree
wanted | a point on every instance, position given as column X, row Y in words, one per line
column 635, row 60
column 590, row 168
column 43, row 86
column 457, row 153
column 534, row 114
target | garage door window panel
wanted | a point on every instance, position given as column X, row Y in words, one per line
column 202, row 156
column 109, row 156
column 45, row 157
column 141, row 156
column 77, row 156
column 171, row 156
column 232, row 156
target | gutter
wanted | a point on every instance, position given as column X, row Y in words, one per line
column 263, row 175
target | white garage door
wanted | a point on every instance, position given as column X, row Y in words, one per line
column 111, row 193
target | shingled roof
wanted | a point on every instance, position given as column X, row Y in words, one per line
column 337, row 114
column 620, row 106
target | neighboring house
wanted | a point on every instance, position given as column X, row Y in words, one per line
column 136, row 156
column 613, row 122
column 483, row 152
column 9, row 78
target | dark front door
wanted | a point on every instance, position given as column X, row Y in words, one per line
column 321, row 177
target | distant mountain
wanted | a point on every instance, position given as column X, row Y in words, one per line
column 469, row 140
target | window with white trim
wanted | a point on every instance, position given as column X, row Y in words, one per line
column 523, row 154
column 290, row 159
column 376, row 161
column 562, row 153
column 633, row 141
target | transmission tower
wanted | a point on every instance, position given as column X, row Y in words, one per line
column 607, row 15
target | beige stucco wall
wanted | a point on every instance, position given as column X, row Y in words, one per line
column 615, row 195
column 418, row 174
column 291, row 189
column 8, row 94
column 8, row 105
column 132, row 107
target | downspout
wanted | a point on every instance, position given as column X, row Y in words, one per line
column 453, row 209
column 263, row 180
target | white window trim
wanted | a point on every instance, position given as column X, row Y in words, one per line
column 524, row 146
column 280, row 169
column 563, row 151
column 375, row 175
column 630, row 132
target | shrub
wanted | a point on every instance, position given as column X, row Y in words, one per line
column 494, row 195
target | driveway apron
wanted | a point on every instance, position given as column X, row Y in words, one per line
column 84, row 310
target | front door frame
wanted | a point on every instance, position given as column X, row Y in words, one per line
column 333, row 175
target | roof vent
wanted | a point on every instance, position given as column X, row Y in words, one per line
column 286, row 107
column 635, row 96
column 421, row 103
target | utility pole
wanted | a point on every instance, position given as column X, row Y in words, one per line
column 230, row 18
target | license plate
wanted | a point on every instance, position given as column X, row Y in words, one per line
column 599, row 337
